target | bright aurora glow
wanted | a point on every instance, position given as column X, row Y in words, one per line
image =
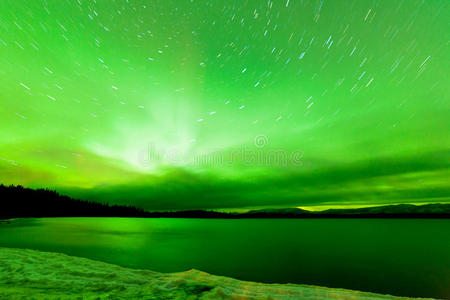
column 227, row 104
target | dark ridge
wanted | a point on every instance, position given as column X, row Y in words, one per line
column 20, row 202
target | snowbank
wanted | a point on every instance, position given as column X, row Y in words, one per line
column 30, row 274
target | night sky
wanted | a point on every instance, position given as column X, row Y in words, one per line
column 227, row 104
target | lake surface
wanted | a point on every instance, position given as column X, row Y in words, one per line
column 406, row 257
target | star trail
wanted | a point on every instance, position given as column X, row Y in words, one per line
column 227, row 104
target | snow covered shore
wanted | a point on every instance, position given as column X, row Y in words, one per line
column 30, row 274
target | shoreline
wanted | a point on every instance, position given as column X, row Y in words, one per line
column 26, row 273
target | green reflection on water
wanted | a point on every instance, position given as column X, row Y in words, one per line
column 400, row 257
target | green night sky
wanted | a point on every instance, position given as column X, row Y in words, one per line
column 227, row 104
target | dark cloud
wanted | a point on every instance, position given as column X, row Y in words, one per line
column 382, row 180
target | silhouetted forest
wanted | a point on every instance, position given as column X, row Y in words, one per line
column 18, row 202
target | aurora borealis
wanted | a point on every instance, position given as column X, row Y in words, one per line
column 191, row 104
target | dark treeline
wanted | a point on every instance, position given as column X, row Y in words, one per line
column 17, row 201
column 20, row 202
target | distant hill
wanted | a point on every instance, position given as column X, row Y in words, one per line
column 20, row 202
column 437, row 210
column 395, row 209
